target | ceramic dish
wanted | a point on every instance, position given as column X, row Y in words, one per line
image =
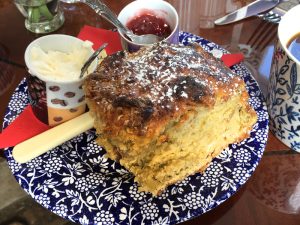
column 75, row 181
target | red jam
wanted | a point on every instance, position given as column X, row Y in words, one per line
column 149, row 24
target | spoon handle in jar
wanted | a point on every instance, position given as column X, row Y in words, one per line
column 49, row 139
column 86, row 65
column 104, row 11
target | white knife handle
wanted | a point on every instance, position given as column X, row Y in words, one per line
column 51, row 138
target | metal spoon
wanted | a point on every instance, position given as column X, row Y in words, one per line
column 103, row 10
column 91, row 59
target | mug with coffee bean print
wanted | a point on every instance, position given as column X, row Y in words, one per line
column 54, row 64
column 283, row 98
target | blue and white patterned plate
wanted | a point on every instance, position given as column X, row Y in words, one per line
column 75, row 181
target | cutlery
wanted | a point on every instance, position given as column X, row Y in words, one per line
column 103, row 10
column 91, row 59
column 49, row 139
column 271, row 17
column 252, row 9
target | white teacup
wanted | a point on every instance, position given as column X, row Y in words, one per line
column 284, row 88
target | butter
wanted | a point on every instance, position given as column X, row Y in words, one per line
column 61, row 66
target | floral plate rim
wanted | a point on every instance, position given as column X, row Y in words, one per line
column 84, row 199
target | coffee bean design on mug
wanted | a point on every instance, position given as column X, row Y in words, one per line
column 37, row 97
column 64, row 101
column 54, row 88
column 55, row 103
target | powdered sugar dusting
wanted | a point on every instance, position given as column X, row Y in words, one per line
column 164, row 75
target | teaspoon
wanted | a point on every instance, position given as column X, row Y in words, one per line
column 91, row 59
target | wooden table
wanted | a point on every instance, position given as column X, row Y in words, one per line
column 272, row 194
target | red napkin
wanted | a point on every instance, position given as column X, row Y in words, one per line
column 232, row 59
column 99, row 36
column 26, row 125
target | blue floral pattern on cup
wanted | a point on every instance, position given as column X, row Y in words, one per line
column 284, row 98
column 76, row 181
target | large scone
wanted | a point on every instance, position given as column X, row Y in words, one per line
column 166, row 111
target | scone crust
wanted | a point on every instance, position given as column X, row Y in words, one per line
column 142, row 91
column 166, row 111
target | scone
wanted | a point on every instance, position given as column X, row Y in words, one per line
column 166, row 111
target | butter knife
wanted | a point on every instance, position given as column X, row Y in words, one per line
column 252, row 9
column 51, row 138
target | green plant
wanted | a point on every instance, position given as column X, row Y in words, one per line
column 39, row 12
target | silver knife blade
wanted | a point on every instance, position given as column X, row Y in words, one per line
column 252, row 9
